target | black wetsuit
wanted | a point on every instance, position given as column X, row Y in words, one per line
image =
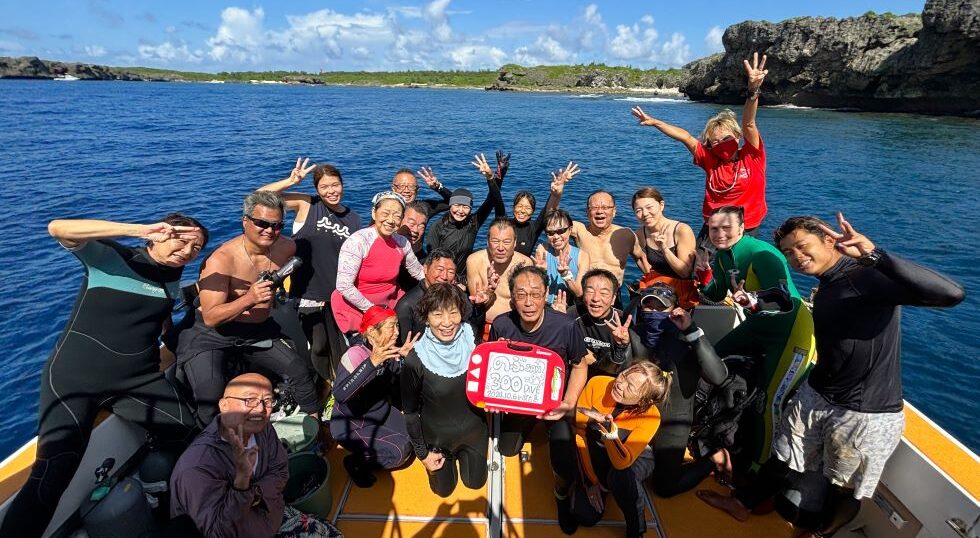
column 436, row 205
column 204, row 359
column 611, row 358
column 440, row 418
column 318, row 243
column 688, row 362
column 107, row 357
column 526, row 233
column 459, row 237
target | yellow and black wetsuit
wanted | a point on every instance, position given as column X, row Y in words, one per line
column 784, row 341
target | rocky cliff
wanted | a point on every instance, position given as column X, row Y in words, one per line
column 596, row 77
column 31, row 67
column 927, row 64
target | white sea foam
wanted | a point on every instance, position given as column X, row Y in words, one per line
column 789, row 106
column 668, row 100
column 587, row 96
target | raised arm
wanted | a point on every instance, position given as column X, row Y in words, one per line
column 72, row 233
column 295, row 201
column 756, row 72
column 434, row 206
column 672, row 131
column 494, row 199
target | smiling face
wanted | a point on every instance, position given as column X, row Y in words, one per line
column 629, row 387
column 406, row 185
column 444, row 322
column 256, row 230
column 528, row 298
column 648, row 211
column 330, row 189
column 523, row 210
column 602, row 210
column 440, row 271
column 177, row 252
column 501, row 244
column 725, row 230
column 241, row 392
column 809, row 253
column 387, row 217
column 459, row 212
column 558, row 231
column 384, row 333
column 413, row 225
column 598, row 295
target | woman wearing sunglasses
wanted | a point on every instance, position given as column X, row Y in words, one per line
column 735, row 173
column 369, row 262
column 563, row 262
column 109, row 355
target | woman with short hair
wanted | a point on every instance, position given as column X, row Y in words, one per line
column 445, row 428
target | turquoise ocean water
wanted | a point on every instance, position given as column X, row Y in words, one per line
column 133, row 152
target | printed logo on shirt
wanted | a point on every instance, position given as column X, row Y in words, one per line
column 336, row 228
column 596, row 344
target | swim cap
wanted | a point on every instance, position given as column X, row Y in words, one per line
column 375, row 315
column 462, row 197
column 387, row 195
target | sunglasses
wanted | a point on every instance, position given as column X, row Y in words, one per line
column 263, row 224
column 559, row 231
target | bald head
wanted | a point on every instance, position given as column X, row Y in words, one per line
column 247, row 385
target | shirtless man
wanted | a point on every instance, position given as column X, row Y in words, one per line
column 488, row 271
column 234, row 318
column 608, row 245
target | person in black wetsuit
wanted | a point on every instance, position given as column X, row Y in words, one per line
column 667, row 336
column 456, row 231
column 439, row 269
column 854, row 393
column 109, row 354
column 235, row 320
column 606, row 328
column 413, row 229
column 445, row 428
column 321, row 225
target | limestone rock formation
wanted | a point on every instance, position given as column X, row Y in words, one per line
column 928, row 64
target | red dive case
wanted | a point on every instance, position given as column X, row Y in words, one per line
column 514, row 377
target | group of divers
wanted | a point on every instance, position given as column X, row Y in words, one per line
column 392, row 308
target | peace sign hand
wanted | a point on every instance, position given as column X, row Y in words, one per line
column 480, row 162
column 620, row 331
column 702, row 260
column 560, row 302
column 162, row 231
column 541, row 258
column 426, row 174
column 300, row 170
column 756, row 71
column 740, row 296
column 409, row 344
column 849, row 242
column 564, row 260
column 681, row 318
column 645, row 119
column 243, row 458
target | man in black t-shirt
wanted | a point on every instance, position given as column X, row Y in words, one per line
column 531, row 321
column 605, row 328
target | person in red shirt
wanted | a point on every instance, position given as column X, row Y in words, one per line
column 735, row 173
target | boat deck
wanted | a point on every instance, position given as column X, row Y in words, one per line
column 401, row 504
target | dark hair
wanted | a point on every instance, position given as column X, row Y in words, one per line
column 602, row 273
column 438, row 254
column 526, row 195
column 526, row 268
column 179, row 219
column 324, row 170
column 736, row 210
column 438, row 296
column 419, row 208
column 557, row 216
column 501, row 222
column 600, row 191
column 647, row 192
column 806, row 223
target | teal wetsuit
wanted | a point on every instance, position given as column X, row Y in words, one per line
column 784, row 341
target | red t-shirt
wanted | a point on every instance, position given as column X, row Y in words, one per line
column 722, row 187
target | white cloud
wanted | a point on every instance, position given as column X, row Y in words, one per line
column 647, row 19
column 546, row 50
column 477, row 57
column 713, row 39
column 94, row 51
column 674, row 52
column 240, row 36
column 632, row 42
column 170, row 29
column 435, row 13
column 10, row 46
column 168, row 52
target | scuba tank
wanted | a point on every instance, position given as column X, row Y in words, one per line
column 116, row 509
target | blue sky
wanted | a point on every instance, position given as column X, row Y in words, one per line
column 207, row 35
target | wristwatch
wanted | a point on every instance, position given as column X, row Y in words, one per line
column 870, row 259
